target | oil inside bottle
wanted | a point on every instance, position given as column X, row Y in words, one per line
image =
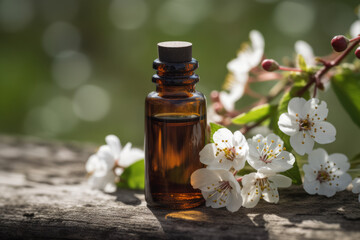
column 173, row 145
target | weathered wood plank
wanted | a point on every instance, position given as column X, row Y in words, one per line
column 43, row 195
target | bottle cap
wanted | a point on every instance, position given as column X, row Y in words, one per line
column 175, row 51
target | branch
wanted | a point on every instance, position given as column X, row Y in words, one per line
column 316, row 78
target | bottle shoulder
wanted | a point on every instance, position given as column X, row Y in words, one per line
column 195, row 96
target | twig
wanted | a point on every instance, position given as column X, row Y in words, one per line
column 247, row 128
column 316, row 78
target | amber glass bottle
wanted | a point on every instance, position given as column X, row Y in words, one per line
column 175, row 123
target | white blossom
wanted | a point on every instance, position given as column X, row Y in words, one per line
column 326, row 174
column 356, row 186
column 212, row 115
column 248, row 58
column 305, row 122
column 269, row 152
column 219, row 188
column 109, row 162
column 262, row 184
column 305, row 50
column 355, row 29
column 228, row 150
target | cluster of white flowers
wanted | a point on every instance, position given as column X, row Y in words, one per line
column 247, row 58
column 305, row 123
column 227, row 155
column 109, row 162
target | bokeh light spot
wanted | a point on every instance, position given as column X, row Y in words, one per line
column 15, row 14
column 70, row 69
column 176, row 17
column 294, row 18
column 54, row 118
column 91, row 103
column 59, row 37
column 128, row 14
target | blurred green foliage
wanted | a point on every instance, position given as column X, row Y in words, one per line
column 79, row 70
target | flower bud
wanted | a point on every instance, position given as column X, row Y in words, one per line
column 218, row 107
column 215, row 96
column 270, row 65
column 339, row 43
column 357, row 52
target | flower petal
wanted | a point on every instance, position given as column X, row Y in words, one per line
column 317, row 112
column 326, row 190
column 323, row 132
column 100, row 182
column 311, row 187
column 281, row 181
column 235, row 201
column 228, row 100
column 283, row 162
column 341, row 161
column 356, row 185
column 223, row 138
column 204, row 177
column 91, row 163
column 208, row 154
column 130, row 155
column 317, row 158
column 248, row 193
column 114, row 143
column 310, row 174
column 342, row 182
column 270, row 193
column 240, row 140
column 287, row 124
column 105, row 154
column 302, row 143
column 355, row 29
column 110, row 187
column 303, row 48
column 214, row 159
column 296, row 105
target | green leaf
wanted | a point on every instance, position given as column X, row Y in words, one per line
column 346, row 86
column 255, row 114
column 294, row 172
column 213, row 128
column 133, row 176
column 246, row 170
column 301, row 62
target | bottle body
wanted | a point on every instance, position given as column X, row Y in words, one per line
column 175, row 124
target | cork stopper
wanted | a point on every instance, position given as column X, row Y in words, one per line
column 175, row 51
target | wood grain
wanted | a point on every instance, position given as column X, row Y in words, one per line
column 43, row 195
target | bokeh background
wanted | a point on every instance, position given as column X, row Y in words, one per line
column 79, row 70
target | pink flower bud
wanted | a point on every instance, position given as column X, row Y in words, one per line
column 218, row 107
column 214, row 96
column 270, row 65
column 339, row 43
column 357, row 52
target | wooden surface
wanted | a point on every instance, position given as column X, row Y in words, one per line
column 43, row 194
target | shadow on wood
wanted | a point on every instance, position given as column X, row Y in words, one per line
column 44, row 195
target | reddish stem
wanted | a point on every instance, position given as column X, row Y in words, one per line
column 290, row 69
column 327, row 66
column 355, row 38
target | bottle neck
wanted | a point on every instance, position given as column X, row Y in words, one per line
column 175, row 79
